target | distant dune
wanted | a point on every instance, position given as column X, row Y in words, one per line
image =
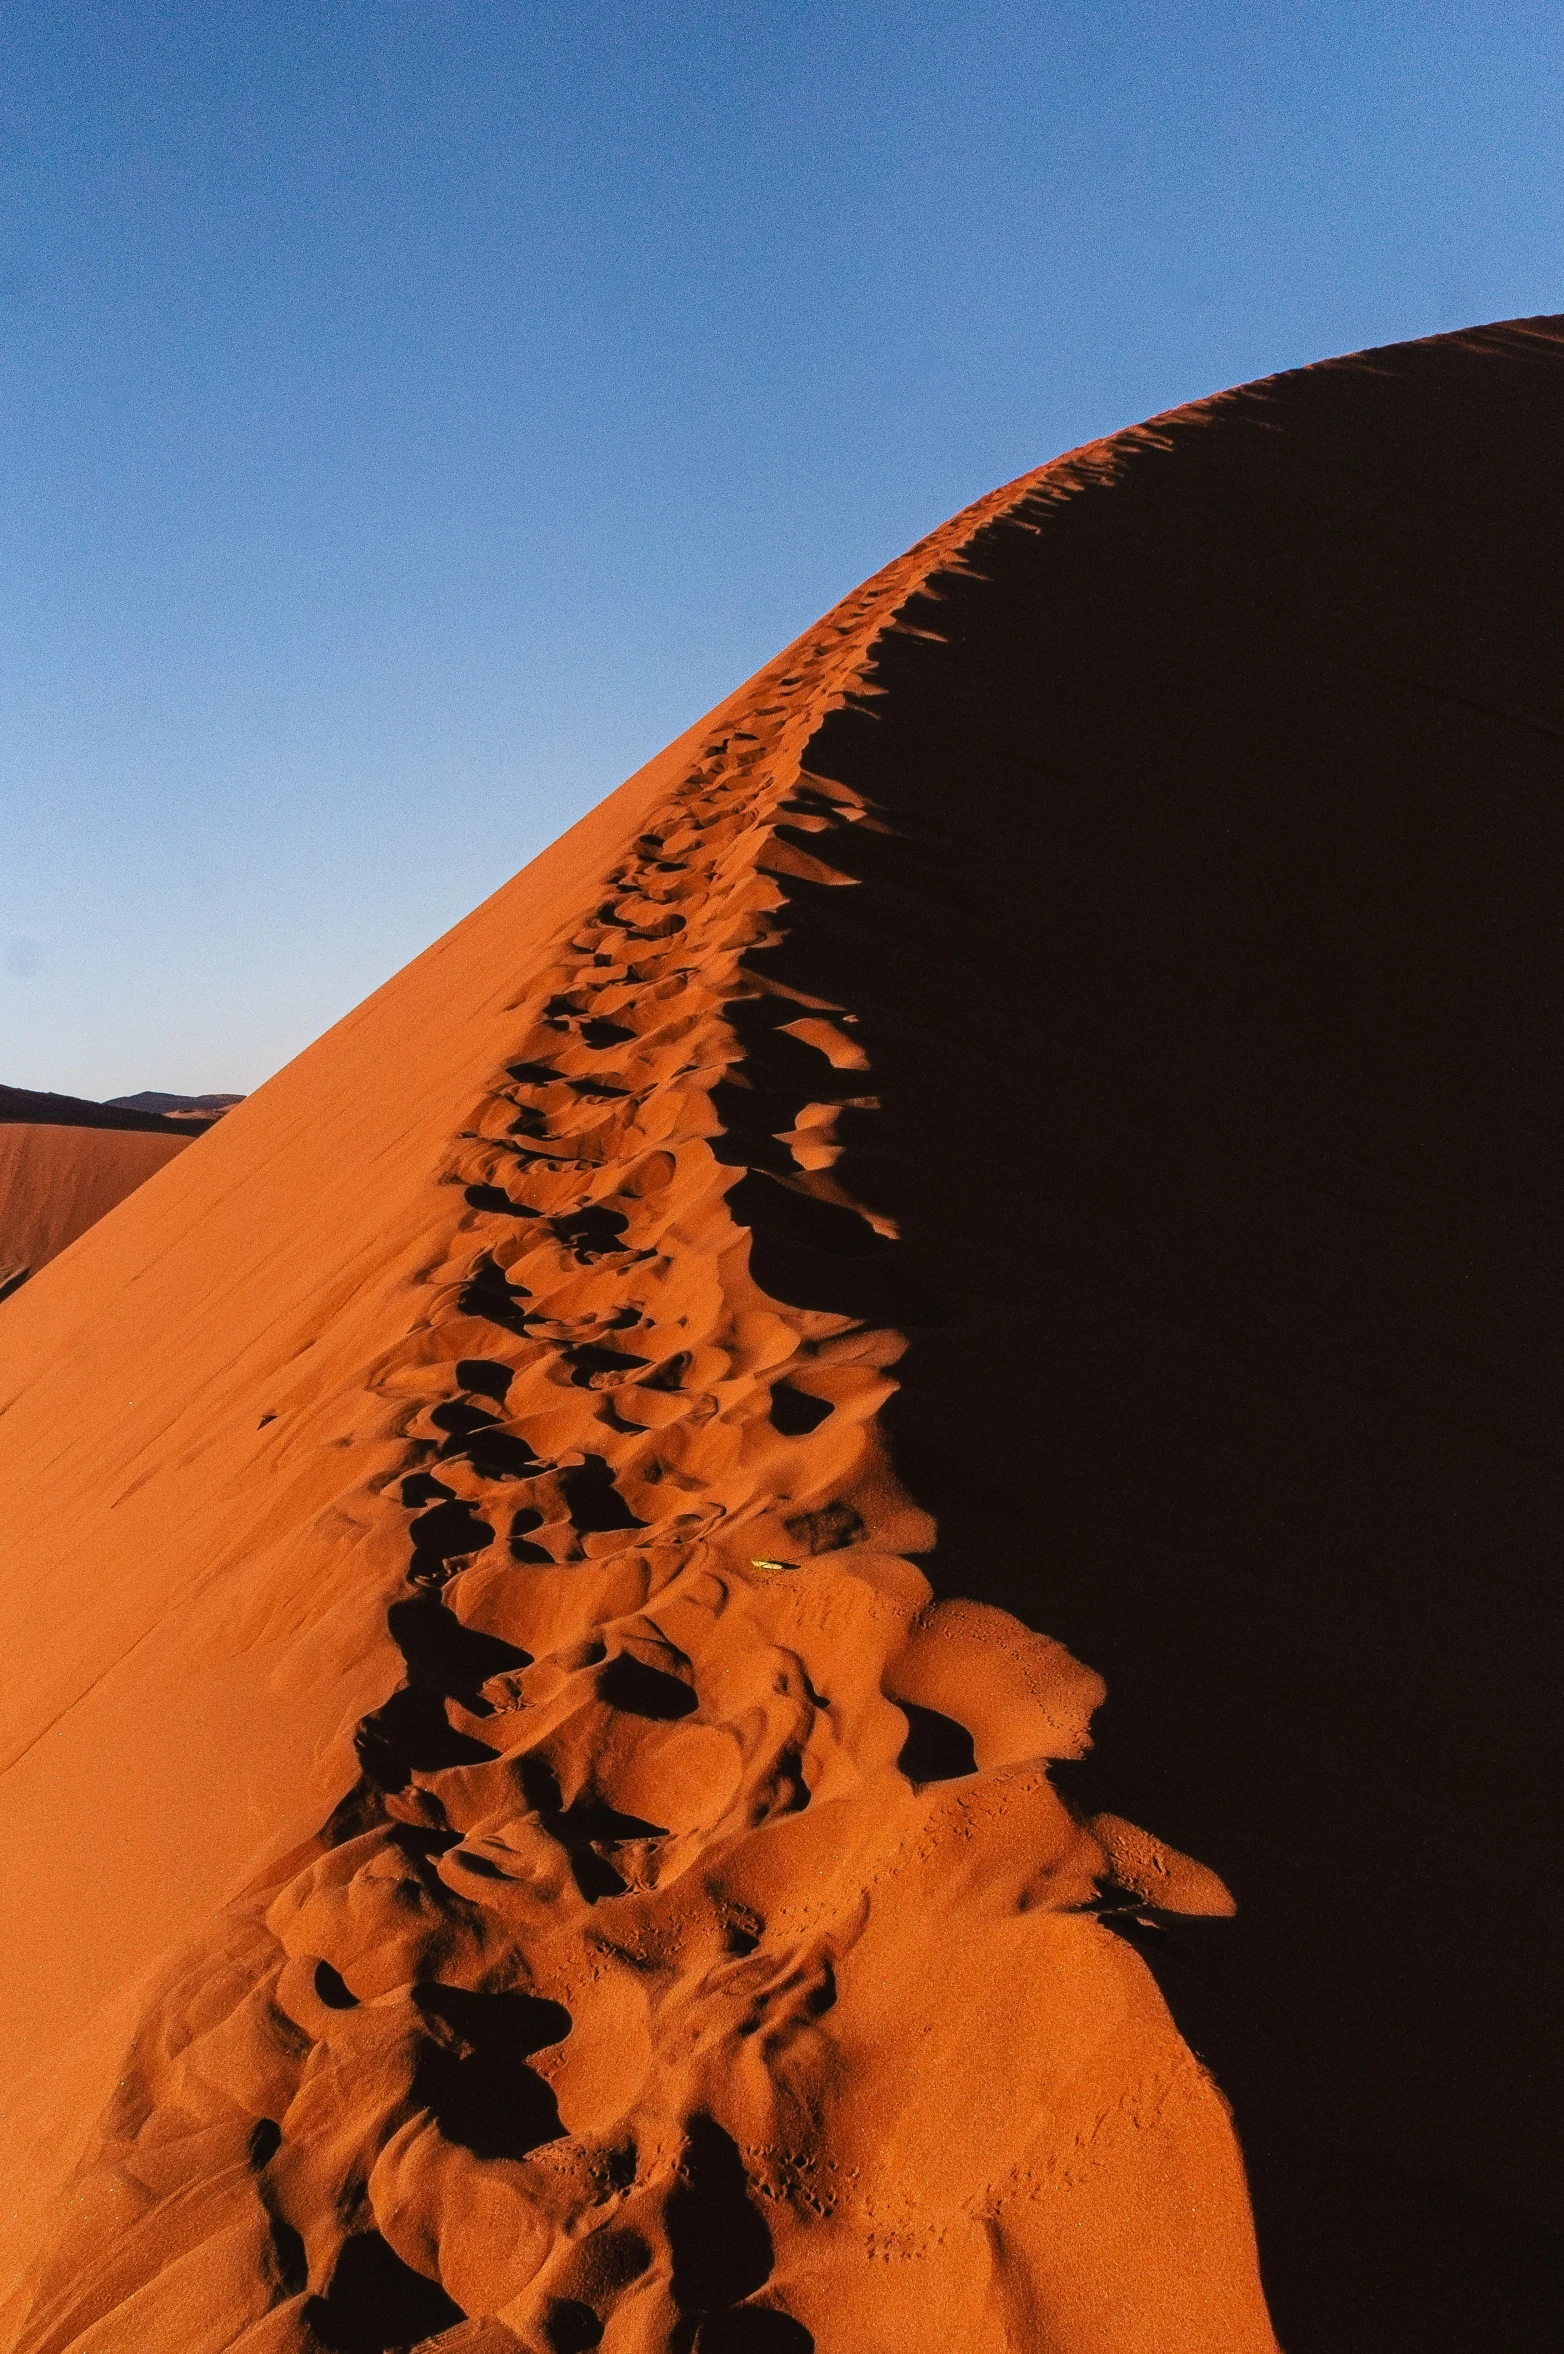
column 56, row 1181
column 809, row 1601
column 66, row 1161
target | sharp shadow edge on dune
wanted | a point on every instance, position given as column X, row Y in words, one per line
column 1213, row 1000
column 475, row 2081
column 319, row 2007
column 1206, row 1094
column 1191, row 1319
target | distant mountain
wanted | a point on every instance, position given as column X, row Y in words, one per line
column 30, row 1106
column 175, row 1107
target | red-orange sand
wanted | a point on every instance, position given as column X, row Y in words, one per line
column 55, row 1182
column 560, row 1571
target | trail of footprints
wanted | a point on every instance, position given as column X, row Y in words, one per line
column 536, row 2032
column 618, row 1453
column 603, row 1392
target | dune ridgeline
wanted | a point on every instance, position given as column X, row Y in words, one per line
column 805, row 1602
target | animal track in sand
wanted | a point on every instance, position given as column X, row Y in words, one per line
column 563, row 2031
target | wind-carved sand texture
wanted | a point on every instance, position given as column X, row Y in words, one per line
column 1019, row 1148
column 705, row 1956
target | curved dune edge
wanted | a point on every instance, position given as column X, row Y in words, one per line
column 654, row 1980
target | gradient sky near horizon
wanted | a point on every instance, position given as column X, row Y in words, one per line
column 418, row 411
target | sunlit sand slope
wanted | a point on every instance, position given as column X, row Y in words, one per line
column 695, row 1944
column 561, row 1567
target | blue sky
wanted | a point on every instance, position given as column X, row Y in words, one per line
column 417, row 413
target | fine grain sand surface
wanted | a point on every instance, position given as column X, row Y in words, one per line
column 56, row 1181
column 807, row 1601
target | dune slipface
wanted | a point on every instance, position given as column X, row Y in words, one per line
column 561, row 1570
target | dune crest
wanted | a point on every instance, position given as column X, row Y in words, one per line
column 876, row 1459
column 704, row 1956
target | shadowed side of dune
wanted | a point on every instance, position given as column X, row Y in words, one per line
column 703, row 1958
column 1067, row 1049
column 1212, row 973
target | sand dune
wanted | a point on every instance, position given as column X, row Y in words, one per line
column 563, row 1568
column 56, row 1181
